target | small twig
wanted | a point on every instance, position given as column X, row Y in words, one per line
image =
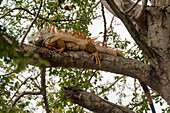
column 135, row 87
column 36, row 16
column 20, row 8
column 79, row 77
column 104, row 19
column 86, row 88
column 35, row 78
column 7, row 73
column 36, row 84
column 19, row 88
column 25, row 93
column 88, row 79
column 7, row 39
column 111, row 27
column 91, row 77
column 50, row 13
column 96, row 4
column 85, row 19
column 47, row 16
column 111, row 85
column 111, row 22
column 137, row 105
column 130, row 9
column 141, row 103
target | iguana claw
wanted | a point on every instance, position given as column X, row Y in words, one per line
column 97, row 57
column 59, row 50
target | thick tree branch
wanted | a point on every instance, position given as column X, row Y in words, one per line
column 92, row 102
column 80, row 59
column 25, row 93
column 110, row 63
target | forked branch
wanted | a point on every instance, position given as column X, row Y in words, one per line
column 25, row 93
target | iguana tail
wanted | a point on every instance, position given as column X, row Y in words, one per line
column 145, row 88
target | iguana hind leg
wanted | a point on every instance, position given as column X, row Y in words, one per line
column 57, row 43
column 97, row 57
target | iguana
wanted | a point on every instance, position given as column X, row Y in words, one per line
column 66, row 41
column 60, row 42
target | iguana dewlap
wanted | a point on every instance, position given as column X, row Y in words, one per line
column 60, row 42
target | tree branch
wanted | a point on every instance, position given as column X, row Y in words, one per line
column 132, row 7
column 43, row 88
column 92, row 102
column 25, row 93
column 104, row 19
column 110, row 85
column 19, row 88
column 110, row 63
column 50, row 13
column 81, row 59
column 20, row 8
column 7, row 73
column 36, row 16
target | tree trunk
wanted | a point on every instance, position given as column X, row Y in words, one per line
column 153, row 23
column 158, row 22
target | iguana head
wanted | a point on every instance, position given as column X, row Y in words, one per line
column 38, row 37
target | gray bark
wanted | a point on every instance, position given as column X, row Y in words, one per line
column 92, row 102
column 153, row 23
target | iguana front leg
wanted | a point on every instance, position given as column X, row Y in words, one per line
column 56, row 43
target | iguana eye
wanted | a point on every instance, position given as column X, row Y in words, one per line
column 37, row 38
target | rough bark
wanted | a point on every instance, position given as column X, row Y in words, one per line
column 92, row 102
column 153, row 23
column 114, row 64
column 81, row 59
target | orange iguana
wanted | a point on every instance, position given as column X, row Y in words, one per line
column 60, row 42
column 67, row 41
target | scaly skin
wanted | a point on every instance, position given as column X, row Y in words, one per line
column 60, row 42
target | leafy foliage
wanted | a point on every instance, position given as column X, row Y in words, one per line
column 16, row 76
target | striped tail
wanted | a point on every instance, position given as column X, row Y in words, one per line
column 145, row 88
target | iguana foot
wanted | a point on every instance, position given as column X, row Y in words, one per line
column 97, row 57
column 59, row 50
